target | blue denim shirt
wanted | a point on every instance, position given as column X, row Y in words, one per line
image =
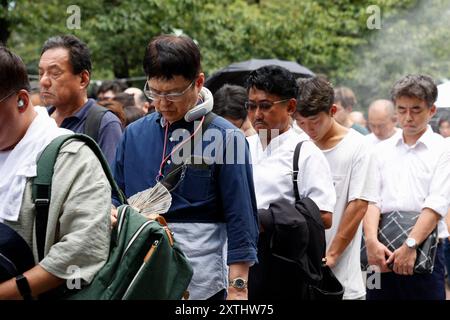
column 110, row 129
column 227, row 188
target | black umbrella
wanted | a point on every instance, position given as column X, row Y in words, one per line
column 237, row 73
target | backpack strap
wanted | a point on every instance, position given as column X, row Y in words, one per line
column 42, row 183
column 173, row 175
column 93, row 120
column 295, row 172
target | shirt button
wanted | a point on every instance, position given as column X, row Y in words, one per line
column 169, row 162
column 170, row 139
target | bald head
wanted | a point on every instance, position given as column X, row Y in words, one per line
column 382, row 119
column 358, row 118
column 139, row 98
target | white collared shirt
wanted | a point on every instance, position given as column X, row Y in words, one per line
column 273, row 167
column 373, row 140
column 410, row 178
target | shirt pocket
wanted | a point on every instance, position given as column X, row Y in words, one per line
column 196, row 183
column 338, row 182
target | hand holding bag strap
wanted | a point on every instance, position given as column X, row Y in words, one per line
column 295, row 172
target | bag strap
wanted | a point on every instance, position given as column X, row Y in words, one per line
column 298, row 147
column 173, row 176
column 93, row 120
column 42, row 183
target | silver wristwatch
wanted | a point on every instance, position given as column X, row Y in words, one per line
column 411, row 243
column 238, row 283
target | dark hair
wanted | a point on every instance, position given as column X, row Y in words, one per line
column 415, row 86
column 115, row 86
column 167, row 56
column 444, row 117
column 117, row 108
column 315, row 95
column 13, row 73
column 79, row 55
column 345, row 97
column 229, row 102
column 133, row 113
column 125, row 99
column 275, row 80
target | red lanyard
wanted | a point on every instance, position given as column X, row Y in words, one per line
column 178, row 146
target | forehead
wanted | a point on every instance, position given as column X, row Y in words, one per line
column 258, row 95
column 319, row 116
column 410, row 102
column 162, row 84
column 55, row 57
column 378, row 115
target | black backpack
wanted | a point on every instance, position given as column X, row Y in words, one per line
column 291, row 250
column 93, row 121
column 15, row 254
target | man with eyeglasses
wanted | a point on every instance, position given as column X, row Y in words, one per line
column 381, row 121
column 272, row 99
column 213, row 212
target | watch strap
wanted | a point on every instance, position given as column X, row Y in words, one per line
column 24, row 287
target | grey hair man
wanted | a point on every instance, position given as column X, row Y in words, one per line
column 382, row 120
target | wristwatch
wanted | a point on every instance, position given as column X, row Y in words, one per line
column 24, row 287
column 411, row 243
column 238, row 283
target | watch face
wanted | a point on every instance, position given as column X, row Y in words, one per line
column 239, row 283
column 410, row 242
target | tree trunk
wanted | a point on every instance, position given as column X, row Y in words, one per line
column 4, row 24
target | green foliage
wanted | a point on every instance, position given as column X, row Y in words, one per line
column 413, row 41
column 327, row 36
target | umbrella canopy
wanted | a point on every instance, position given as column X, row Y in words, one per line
column 443, row 99
column 237, row 73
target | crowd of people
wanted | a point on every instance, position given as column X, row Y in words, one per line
column 357, row 171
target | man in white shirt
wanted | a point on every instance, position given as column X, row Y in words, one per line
column 351, row 168
column 272, row 93
column 412, row 174
column 382, row 121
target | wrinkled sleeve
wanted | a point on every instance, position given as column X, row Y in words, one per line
column 118, row 167
column 109, row 136
column 81, row 195
column 363, row 184
column 316, row 181
column 238, row 199
column 438, row 198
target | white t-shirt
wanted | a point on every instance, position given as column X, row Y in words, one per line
column 273, row 167
column 352, row 169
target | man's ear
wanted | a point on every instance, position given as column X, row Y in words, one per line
column 23, row 101
column 85, row 79
column 200, row 81
column 333, row 110
column 292, row 106
column 432, row 110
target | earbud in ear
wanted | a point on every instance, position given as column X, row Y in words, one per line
column 20, row 104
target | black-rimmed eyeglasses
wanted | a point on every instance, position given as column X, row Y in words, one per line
column 173, row 96
column 263, row 105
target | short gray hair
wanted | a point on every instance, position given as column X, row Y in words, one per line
column 415, row 86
